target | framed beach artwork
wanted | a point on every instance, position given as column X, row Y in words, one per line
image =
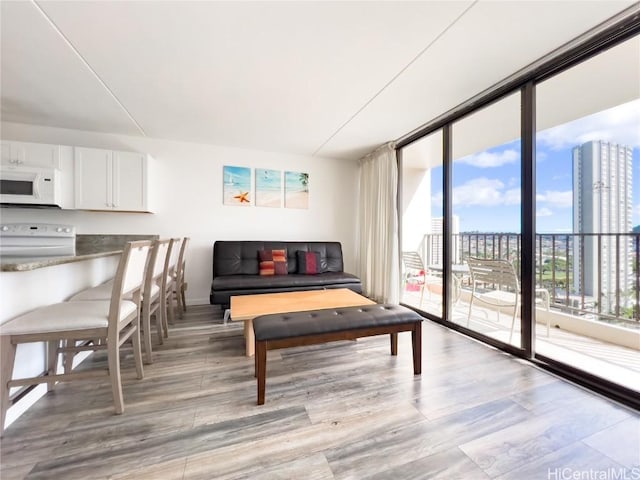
column 268, row 188
column 296, row 190
column 236, row 189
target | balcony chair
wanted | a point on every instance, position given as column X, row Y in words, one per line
column 73, row 327
column 150, row 296
column 495, row 282
column 416, row 273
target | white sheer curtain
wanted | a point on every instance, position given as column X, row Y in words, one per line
column 378, row 265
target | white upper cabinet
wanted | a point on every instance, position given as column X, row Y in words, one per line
column 111, row 180
column 30, row 154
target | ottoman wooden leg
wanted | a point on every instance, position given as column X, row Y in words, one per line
column 394, row 343
column 261, row 369
column 416, row 342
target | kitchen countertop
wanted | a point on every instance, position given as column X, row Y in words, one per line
column 88, row 247
column 22, row 264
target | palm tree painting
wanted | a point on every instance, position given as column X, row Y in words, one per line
column 296, row 185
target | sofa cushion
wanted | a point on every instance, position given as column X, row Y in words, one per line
column 241, row 257
column 308, row 262
column 257, row 282
column 273, row 262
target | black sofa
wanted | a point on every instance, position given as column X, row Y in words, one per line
column 236, row 269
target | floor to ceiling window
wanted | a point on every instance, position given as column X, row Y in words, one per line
column 462, row 199
column 485, row 233
column 422, row 221
column 588, row 213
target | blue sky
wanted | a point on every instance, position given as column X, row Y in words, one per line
column 486, row 185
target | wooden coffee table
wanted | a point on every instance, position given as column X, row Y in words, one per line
column 247, row 307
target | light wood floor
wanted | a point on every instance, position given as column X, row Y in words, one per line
column 345, row 410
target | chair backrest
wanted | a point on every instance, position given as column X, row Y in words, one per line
column 500, row 273
column 156, row 263
column 412, row 260
column 159, row 257
column 129, row 278
column 170, row 263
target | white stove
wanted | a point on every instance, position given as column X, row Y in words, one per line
column 37, row 240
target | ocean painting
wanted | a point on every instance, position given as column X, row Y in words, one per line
column 268, row 188
column 236, row 185
column 296, row 188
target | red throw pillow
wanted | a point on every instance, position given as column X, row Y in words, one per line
column 273, row 262
column 308, row 262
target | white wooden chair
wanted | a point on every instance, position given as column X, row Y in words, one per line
column 180, row 285
column 495, row 282
column 150, row 296
column 167, row 285
column 73, row 327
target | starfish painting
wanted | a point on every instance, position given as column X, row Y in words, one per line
column 242, row 197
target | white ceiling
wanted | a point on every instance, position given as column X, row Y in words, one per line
column 331, row 79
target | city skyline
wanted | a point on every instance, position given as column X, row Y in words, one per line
column 486, row 185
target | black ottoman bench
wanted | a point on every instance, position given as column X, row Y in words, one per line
column 320, row 326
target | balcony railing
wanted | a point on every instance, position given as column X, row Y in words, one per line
column 592, row 275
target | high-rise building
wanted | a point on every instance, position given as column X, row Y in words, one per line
column 436, row 246
column 602, row 204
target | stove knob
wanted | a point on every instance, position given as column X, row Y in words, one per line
column 5, row 228
column 67, row 230
column 59, row 229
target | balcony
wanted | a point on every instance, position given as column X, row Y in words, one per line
column 602, row 337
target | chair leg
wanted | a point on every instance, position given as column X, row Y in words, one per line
column 184, row 301
column 137, row 350
column 7, row 360
column 160, row 324
column 52, row 362
column 68, row 356
column 146, row 325
column 171, row 314
column 176, row 293
column 113, row 350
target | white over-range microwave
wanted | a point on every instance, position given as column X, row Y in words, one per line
column 30, row 186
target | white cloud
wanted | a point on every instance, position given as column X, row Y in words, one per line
column 619, row 125
column 512, row 196
column 485, row 192
column 543, row 212
column 479, row 191
column 489, row 160
column 556, row 199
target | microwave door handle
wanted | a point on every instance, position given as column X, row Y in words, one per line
column 36, row 186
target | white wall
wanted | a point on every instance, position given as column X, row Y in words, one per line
column 186, row 197
column 416, row 207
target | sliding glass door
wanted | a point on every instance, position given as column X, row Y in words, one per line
column 486, row 221
column 588, row 214
column 422, row 223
